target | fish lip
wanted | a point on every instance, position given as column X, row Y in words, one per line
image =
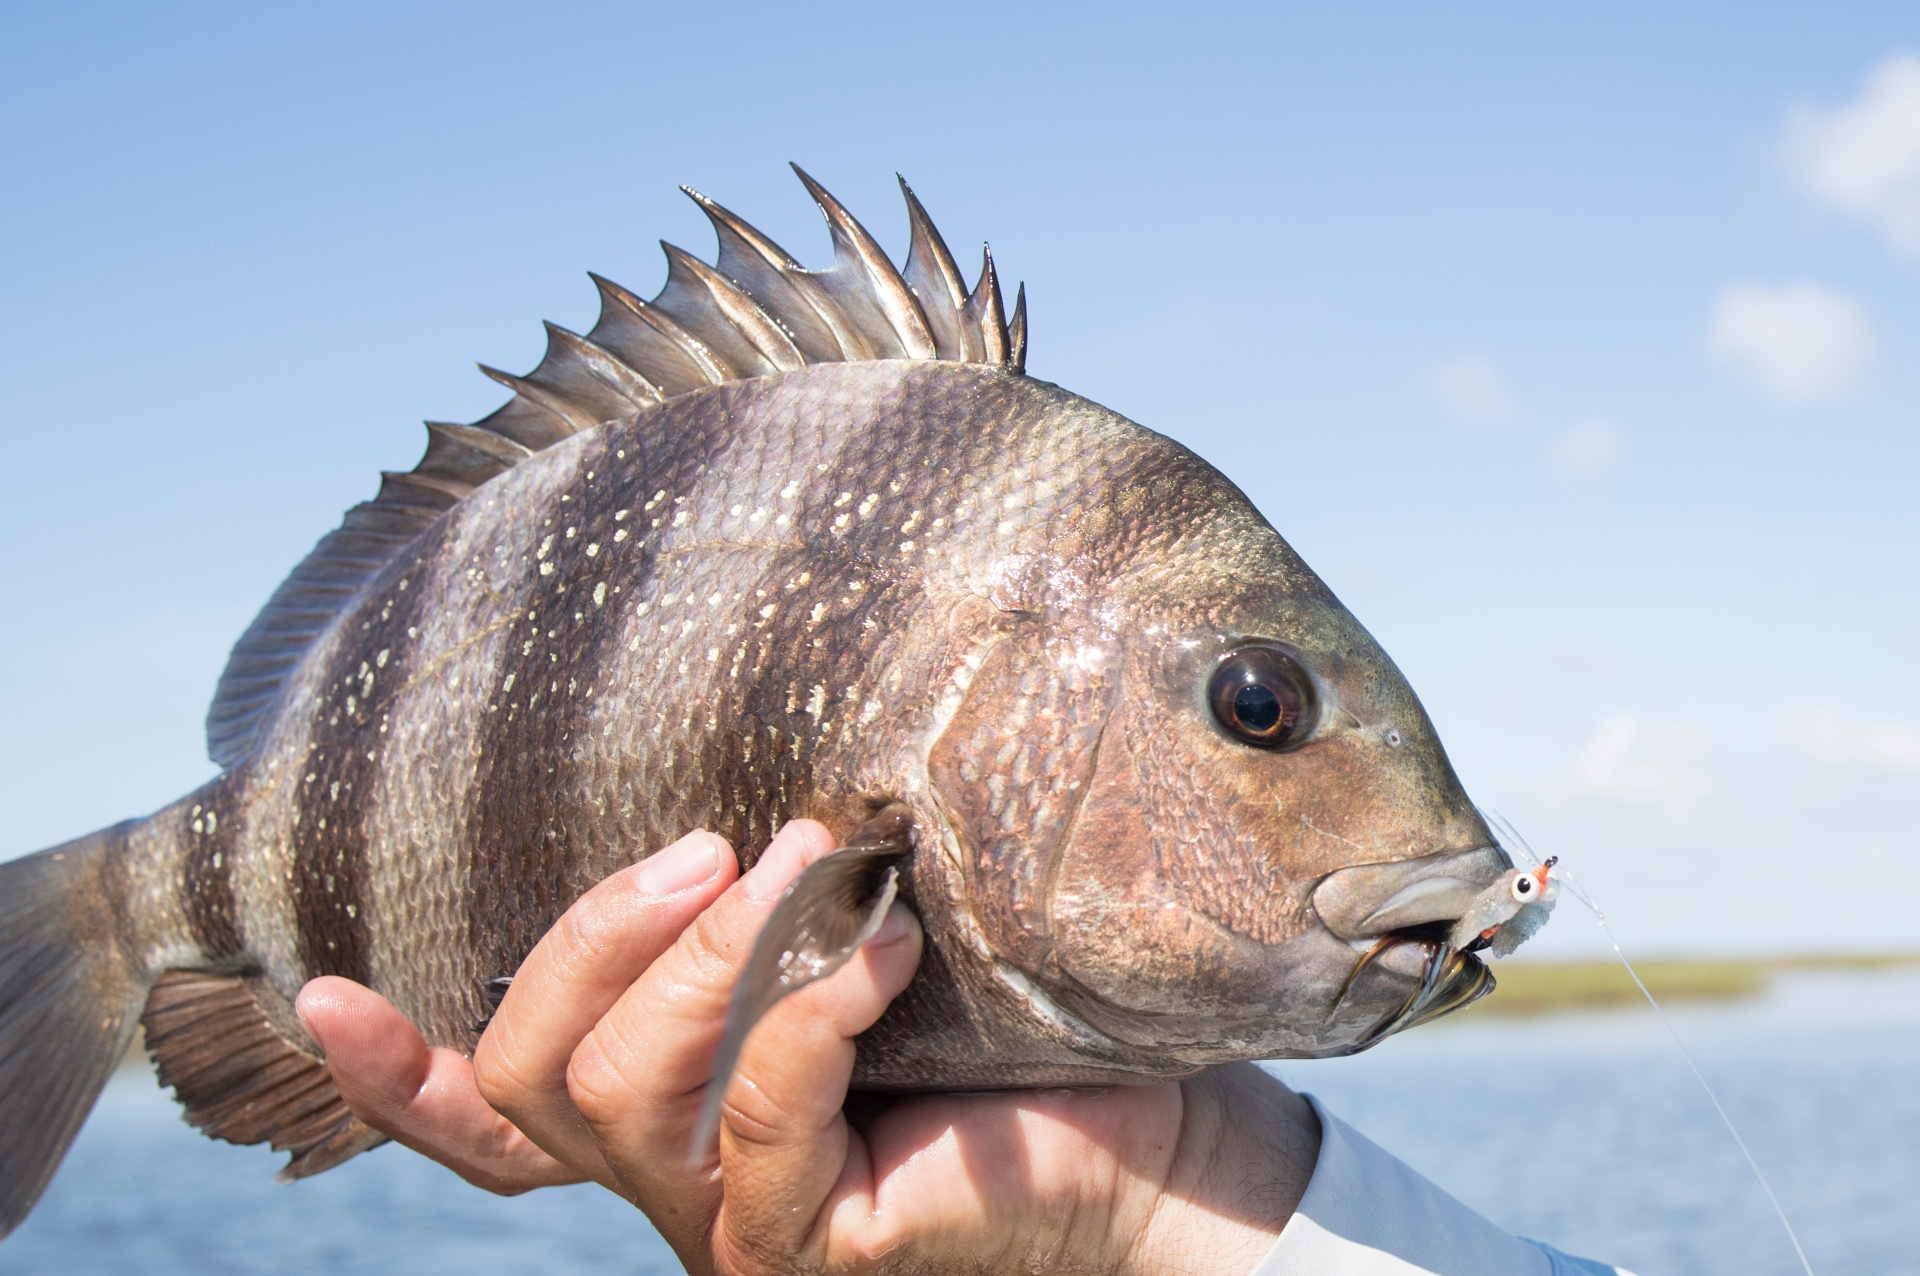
column 1365, row 901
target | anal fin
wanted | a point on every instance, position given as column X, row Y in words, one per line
column 244, row 1079
column 831, row 909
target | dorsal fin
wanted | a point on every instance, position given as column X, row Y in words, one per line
column 755, row 312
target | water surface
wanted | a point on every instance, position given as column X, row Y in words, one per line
column 1586, row 1131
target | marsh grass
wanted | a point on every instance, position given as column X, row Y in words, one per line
column 1534, row 988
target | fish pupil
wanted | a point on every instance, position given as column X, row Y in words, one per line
column 1261, row 695
column 1257, row 708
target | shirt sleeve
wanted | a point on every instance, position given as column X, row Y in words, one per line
column 1366, row 1213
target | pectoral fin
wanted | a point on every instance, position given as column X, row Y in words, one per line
column 831, row 909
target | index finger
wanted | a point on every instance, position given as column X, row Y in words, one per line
column 597, row 949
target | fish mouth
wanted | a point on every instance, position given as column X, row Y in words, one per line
column 1450, row 979
column 1410, row 904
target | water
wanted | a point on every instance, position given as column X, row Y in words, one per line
column 1586, row 1131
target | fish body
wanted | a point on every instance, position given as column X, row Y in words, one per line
column 778, row 544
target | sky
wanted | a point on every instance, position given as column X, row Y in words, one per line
column 1574, row 349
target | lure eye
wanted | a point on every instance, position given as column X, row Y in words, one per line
column 1263, row 696
column 1525, row 890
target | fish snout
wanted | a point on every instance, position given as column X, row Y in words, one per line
column 1370, row 900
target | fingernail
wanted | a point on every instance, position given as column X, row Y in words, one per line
column 772, row 873
column 894, row 928
column 688, row 862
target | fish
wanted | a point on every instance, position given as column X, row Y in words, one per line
column 779, row 543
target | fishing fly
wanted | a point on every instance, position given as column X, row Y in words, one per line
column 1540, row 874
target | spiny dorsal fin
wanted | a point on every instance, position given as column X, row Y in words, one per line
column 756, row 311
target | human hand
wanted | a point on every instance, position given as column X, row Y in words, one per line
column 600, row 1054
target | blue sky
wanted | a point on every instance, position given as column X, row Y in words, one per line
column 1573, row 349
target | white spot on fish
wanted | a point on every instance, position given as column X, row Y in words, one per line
column 766, row 613
column 600, row 593
column 380, row 661
column 787, row 492
column 840, row 523
column 817, row 702
column 680, row 519
column 619, row 516
column 842, row 499
column 545, row 547
column 866, row 506
column 716, row 600
column 819, row 614
column 620, row 536
column 571, row 531
column 593, row 549
column 546, row 569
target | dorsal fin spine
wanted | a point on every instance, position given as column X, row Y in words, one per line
column 856, row 253
column 1017, row 333
column 986, row 319
column 605, row 367
column 934, row 279
column 750, row 329
column 769, row 274
column 697, row 352
column 540, row 397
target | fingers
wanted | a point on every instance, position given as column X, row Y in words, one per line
column 597, row 949
column 639, row 1078
column 640, row 1075
column 425, row 1099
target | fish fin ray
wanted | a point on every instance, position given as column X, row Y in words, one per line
column 865, row 286
column 242, row 1075
column 934, row 279
column 819, row 924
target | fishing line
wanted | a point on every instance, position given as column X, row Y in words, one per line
column 1579, row 892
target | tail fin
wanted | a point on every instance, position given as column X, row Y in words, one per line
column 69, row 1000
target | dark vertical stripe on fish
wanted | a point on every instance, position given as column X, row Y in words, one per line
column 331, row 885
column 209, row 830
column 523, row 841
column 524, row 815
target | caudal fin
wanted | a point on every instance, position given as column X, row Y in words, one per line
column 69, row 1000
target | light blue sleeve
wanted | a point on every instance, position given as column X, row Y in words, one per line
column 1366, row 1213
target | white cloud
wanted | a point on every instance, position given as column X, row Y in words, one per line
column 1827, row 733
column 1472, row 391
column 1863, row 158
column 1643, row 761
column 1592, row 449
column 1799, row 341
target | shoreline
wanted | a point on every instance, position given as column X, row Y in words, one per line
column 1527, row 989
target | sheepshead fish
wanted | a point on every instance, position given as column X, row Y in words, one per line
column 777, row 543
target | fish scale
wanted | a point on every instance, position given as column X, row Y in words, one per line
column 778, row 544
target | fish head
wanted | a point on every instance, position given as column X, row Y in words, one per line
column 1242, row 799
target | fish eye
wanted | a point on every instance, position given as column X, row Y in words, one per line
column 1263, row 696
column 1524, row 888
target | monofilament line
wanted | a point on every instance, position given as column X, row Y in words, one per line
column 1578, row 892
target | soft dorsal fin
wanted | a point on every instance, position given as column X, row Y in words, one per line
column 756, row 311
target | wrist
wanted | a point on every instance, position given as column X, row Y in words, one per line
column 1247, row 1149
